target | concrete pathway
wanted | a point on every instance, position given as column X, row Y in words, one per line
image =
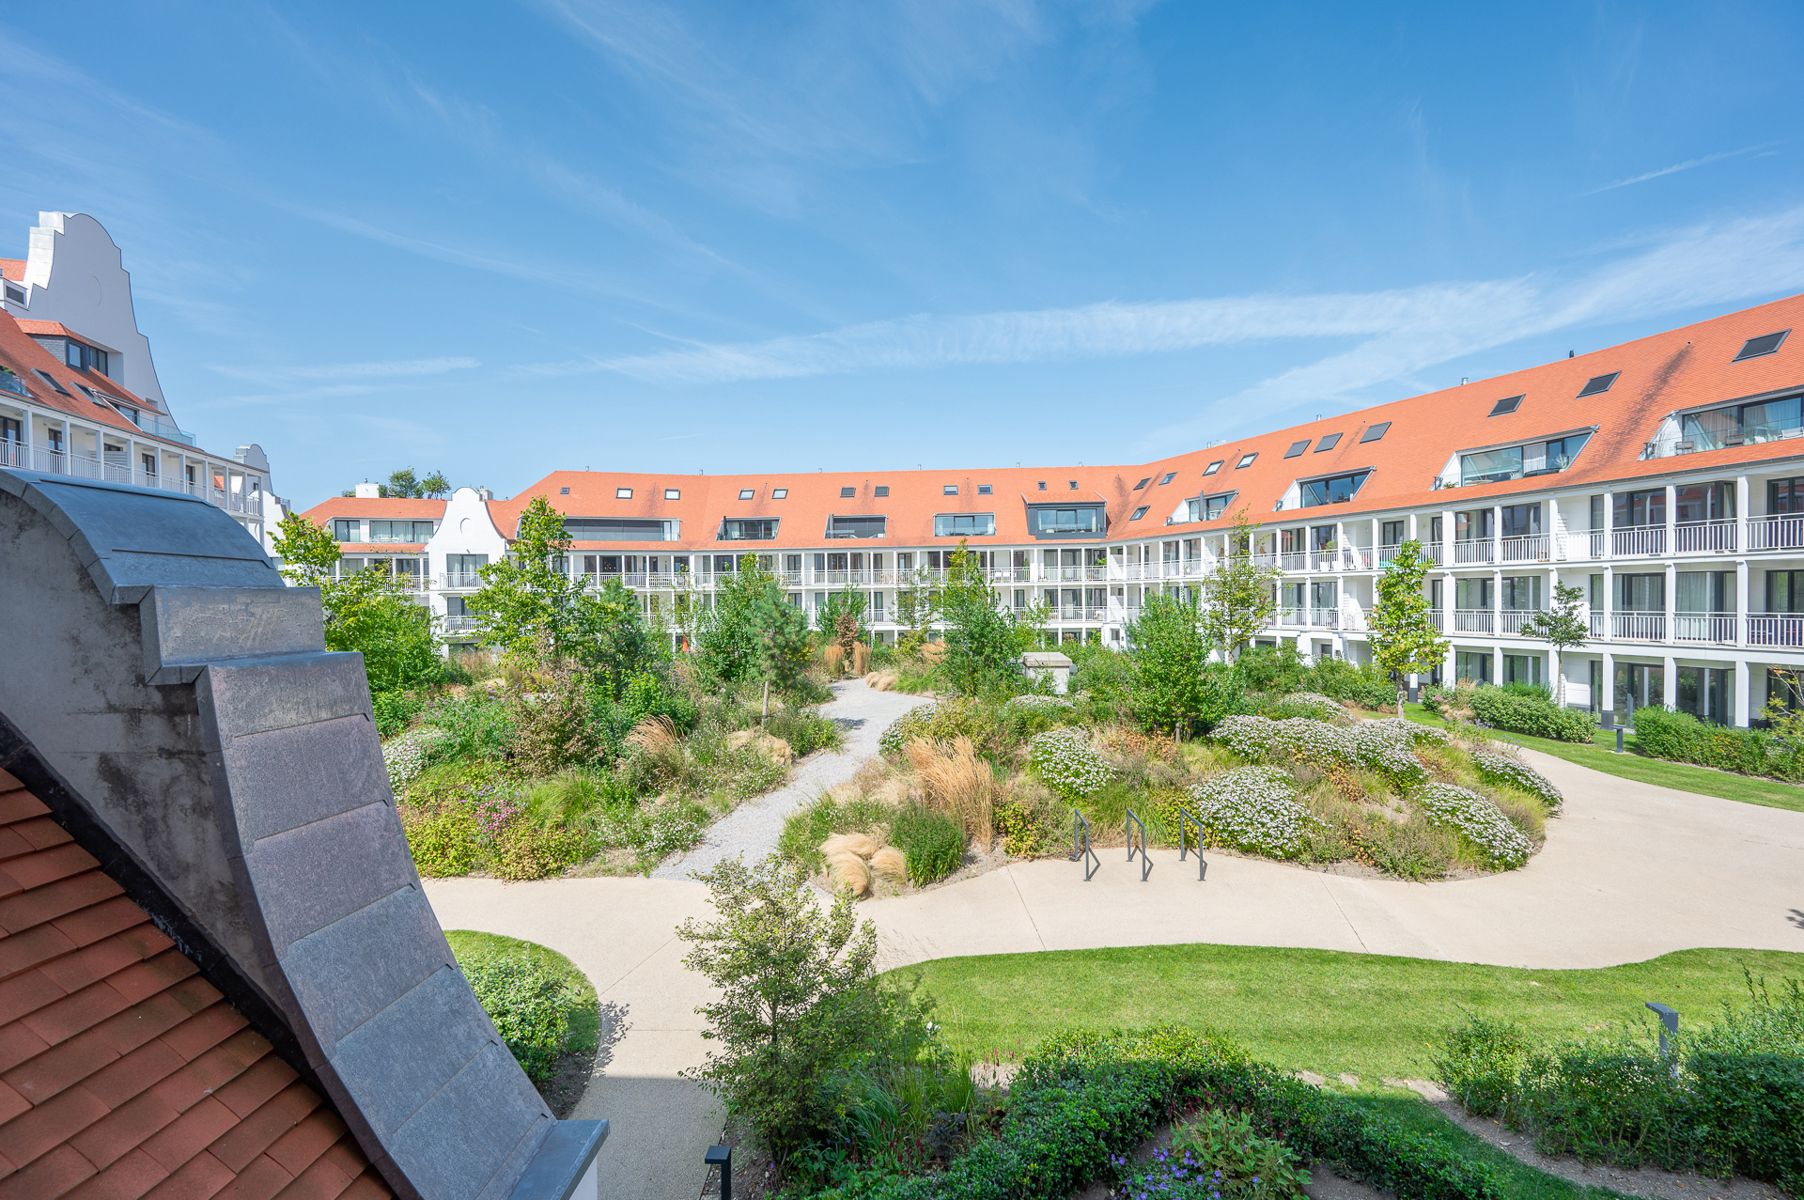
column 752, row 829
column 1630, row 871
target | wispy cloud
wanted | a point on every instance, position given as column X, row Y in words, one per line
column 1690, row 164
column 399, row 368
column 1394, row 333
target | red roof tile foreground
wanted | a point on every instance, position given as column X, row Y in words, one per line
column 13, row 269
column 124, row 1073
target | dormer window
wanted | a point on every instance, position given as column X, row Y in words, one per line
column 1071, row 485
column 1597, row 385
column 1739, row 424
column 84, row 357
column 1208, row 508
column 964, row 525
column 748, row 529
column 1066, row 520
column 1759, row 347
column 1334, row 489
column 1515, row 462
column 856, row 527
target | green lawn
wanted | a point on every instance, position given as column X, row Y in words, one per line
column 585, row 1013
column 1601, row 755
column 1318, row 1010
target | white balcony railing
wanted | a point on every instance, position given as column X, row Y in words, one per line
column 1639, row 626
column 1531, row 547
column 1638, row 540
column 1776, row 629
column 1511, row 620
column 1472, row 620
column 115, row 469
column 1717, row 629
column 462, row 580
column 1474, row 550
column 1704, row 537
column 1778, row 531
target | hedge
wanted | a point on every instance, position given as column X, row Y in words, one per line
column 1681, row 737
column 1085, row 1096
column 1526, row 712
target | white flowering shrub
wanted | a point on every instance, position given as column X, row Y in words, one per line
column 1496, row 767
column 1254, row 809
column 1388, row 748
column 405, row 758
column 1069, row 764
column 1478, row 821
column 1035, row 700
column 1301, row 738
column 908, row 727
column 1307, row 704
column 1421, row 735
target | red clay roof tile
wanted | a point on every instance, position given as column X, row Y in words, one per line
column 127, row 1179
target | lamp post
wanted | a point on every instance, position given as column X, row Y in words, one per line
column 1669, row 1029
column 722, row 1157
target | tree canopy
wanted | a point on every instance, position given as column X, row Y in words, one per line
column 1405, row 638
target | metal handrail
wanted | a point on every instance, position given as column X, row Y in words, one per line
column 1146, row 862
column 1186, row 817
column 1080, row 845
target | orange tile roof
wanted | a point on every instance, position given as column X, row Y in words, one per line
column 25, row 358
column 123, row 1072
column 395, row 508
column 13, row 269
column 39, row 328
column 1657, row 375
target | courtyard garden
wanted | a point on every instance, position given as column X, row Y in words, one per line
column 543, row 1007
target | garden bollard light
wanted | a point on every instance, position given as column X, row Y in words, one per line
column 1619, row 739
column 1669, row 1028
column 722, row 1157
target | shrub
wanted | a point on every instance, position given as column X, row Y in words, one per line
column 957, row 783
column 1681, row 737
column 1299, row 739
column 1479, row 1062
column 443, row 839
column 529, row 1004
column 475, row 727
column 1365, row 686
column 1253, row 809
column 804, row 729
column 1531, row 712
column 551, row 727
column 1068, row 764
column 1313, row 705
column 1388, row 747
column 815, row 822
column 394, row 711
column 1509, row 771
column 405, row 758
column 527, row 850
column 932, row 842
column 1272, row 668
column 1478, row 822
column 1220, row 1154
column 1027, row 830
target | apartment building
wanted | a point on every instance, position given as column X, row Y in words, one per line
column 1663, row 477
column 79, row 393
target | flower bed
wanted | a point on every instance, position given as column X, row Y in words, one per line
column 1069, row 764
column 1477, row 820
column 1253, row 809
column 1496, row 767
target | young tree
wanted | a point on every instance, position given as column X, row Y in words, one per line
column 435, row 486
column 1563, row 627
column 983, row 643
column 613, row 640
column 529, row 607
column 841, row 619
column 308, row 552
column 1402, row 629
column 753, row 631
column 1168, row 667
column 800, row 1008
column 1238, row 597
column 402, row 485
column 918, row 604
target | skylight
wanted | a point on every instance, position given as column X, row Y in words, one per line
column 1141, row 486
column 673, row 493
column 984, row 489
column 846, row 493
column 1213, row 467
column 1072, row 484
column 1765, row 344
column 951, row 489
column 880, row 491
column 746, row 493
column 623, row 493
column 1246, row 460
column 51, row 380
column 1598, row 385
column 563, row 491
column 1329, row 441
column 1297, row 448
column 1042, row 484
column 1167, row 478
column 1375, row 432
column 1508, row 404
column 1138, row 513
column 779, row 493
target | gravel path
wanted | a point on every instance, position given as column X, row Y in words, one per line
column 752, row 829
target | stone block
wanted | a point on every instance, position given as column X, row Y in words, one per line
column 346, row 973
column 192, row 626
column 464, row 1136
column 307, row 878
column 560, row 1162
column 400, row 1058
column 254, row 694
column 281, row 779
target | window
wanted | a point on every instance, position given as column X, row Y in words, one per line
column 84, row 357
column 1521, row 520
column 9, row 381
column 1515, row 462
column 856, row 527
column 1246, row 460
column 1212, row 468
column 50, row 379
column 1141, row 486
column 950, row 489
column 1051, row 520
column 783, row 493
column 563, row 491
column 1597, row 385
column 1329, row 441
column 1138, row 513
column 15, row 293
column 746, row 493
column 1766, row 343
column 623, row 493
column 846, row 493
column 1335, row 489
column 1785, row 496
column 1208, row 508
column 1375, row 433
column 346, row 530
column 1508, row 404
column 1042, row 484
column 1641, row 593
column 1297, row 448
column 984, row 489
column 673, row 493
column 1071, row 485
column 1638, row 510
column 748, row 529
column 964, row 525
column 880, row 491
column 1737, row 424
column 400, row 531
column 619, row 529
column 1167, row 478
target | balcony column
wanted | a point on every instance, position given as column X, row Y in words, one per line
column 1554, row 667
column 1742, row 698
column 1609, row 597
column 68, row 464
column 1670, row 630
column 1671, row 545
column 1742, row 579
column 1609, row 546
column 1741, row 513
column 1496, row 662
column 1496, row 533
column 1372, row 540
column 1496, row 603
column 1445, row 549
column 1606, row 682
column 1669, row 683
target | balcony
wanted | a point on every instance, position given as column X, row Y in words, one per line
column 1290, row 616
column 1638, row 541
column 116, row 470
column 1704, row 537
column 1779, row 531
column 1078, row 612
column 1705, row 628
column 456, row 581
column 1638, row 626
column 1532, row 547
column 460, row 624
column 1511, row 620
column 1468, row 551
column 1776, row 629
column 1472, row 620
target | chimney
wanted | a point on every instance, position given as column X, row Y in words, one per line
column 368, row 491
column 485, row 494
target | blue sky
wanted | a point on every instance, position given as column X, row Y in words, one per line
column 574, row 233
